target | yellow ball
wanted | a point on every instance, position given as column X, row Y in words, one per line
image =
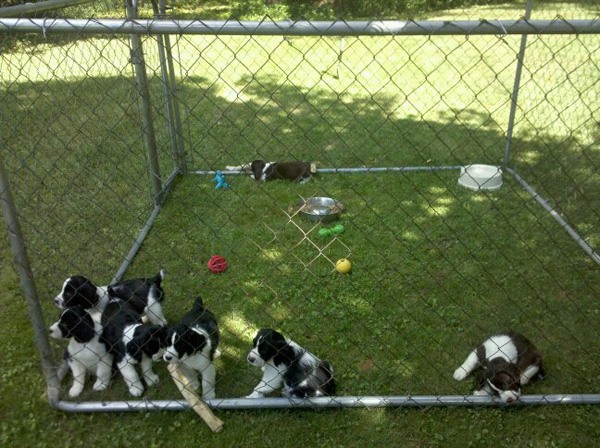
column 343, row 266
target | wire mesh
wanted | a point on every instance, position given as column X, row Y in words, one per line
column 436, row 267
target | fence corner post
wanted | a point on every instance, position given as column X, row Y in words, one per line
column 23, row 267
column 515, row 93
column 137, row 59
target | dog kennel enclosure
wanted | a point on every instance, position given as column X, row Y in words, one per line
column 112, row 130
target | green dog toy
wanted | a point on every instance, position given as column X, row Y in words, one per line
column 333, row 231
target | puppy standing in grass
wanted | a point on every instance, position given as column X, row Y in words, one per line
column 506, row 362
column 193, row 343
column 85, row 352
column 131, row 342
column 285, row 364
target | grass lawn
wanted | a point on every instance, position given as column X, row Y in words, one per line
column 435, row 267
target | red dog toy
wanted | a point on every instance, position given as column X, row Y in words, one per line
column 217, row 264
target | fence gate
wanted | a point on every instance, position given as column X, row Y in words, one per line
column 465, row 154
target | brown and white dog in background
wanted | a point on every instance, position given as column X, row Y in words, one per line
column 264, row 171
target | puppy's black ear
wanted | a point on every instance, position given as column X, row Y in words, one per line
column 506, row 381
column 150, row 342
column 82, row 292
column 135, row 348
column 257, row 167
column 77, row 323
column 197, row 340
column 279, row 340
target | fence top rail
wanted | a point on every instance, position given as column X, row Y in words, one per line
column 300, row 28
column 37, row 7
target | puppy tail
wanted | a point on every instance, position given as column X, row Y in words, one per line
column 541, row 375
column 244, row 167
column 313, row 168
column 198, row 304
column 160, row 276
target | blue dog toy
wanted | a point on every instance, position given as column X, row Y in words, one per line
column 220, row 180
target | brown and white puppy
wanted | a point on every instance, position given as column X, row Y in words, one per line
column 264, row 171
column 507, row 362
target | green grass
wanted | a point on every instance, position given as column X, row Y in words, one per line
column 435, row 267
column 325, row 10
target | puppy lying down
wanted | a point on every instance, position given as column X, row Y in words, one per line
column 264, row 171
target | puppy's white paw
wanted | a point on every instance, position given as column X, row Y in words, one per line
column 151, row 379
column 209, row 395
column 100, row 385
column 136, row 390
column 481, row 392
column 255, row 395
column 460, row 374
column 75, row 390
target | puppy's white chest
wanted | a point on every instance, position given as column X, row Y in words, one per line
column 87, row 354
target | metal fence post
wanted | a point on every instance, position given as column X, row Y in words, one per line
column 171, row 104
column 19, row 251
column 137, row 59
column 515, row 94
column 182, row 164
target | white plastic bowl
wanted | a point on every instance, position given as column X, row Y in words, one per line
column 480, row 177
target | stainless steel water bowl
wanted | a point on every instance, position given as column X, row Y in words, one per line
column 320, row 209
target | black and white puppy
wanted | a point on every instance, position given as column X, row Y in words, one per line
column 85, row 352
column 130, row 343
column 264, row 171
column 295, row 171
column 507, row 361
column 193, row 343
column 145, row 295
column 285, row 363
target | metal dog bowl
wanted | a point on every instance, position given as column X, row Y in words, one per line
column 320, row 209
column 480, row 177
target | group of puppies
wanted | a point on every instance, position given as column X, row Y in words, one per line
column 106, row 329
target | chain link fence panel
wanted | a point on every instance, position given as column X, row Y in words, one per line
column 389, row 120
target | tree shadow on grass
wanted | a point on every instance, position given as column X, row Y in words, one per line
column 436, row 267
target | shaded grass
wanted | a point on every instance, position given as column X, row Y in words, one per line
column 326, row 10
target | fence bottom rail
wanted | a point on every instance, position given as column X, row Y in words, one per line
column 328, row 402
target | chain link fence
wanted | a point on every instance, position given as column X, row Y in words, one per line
column 112, row 132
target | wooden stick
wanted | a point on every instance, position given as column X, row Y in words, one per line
column 197, row 404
